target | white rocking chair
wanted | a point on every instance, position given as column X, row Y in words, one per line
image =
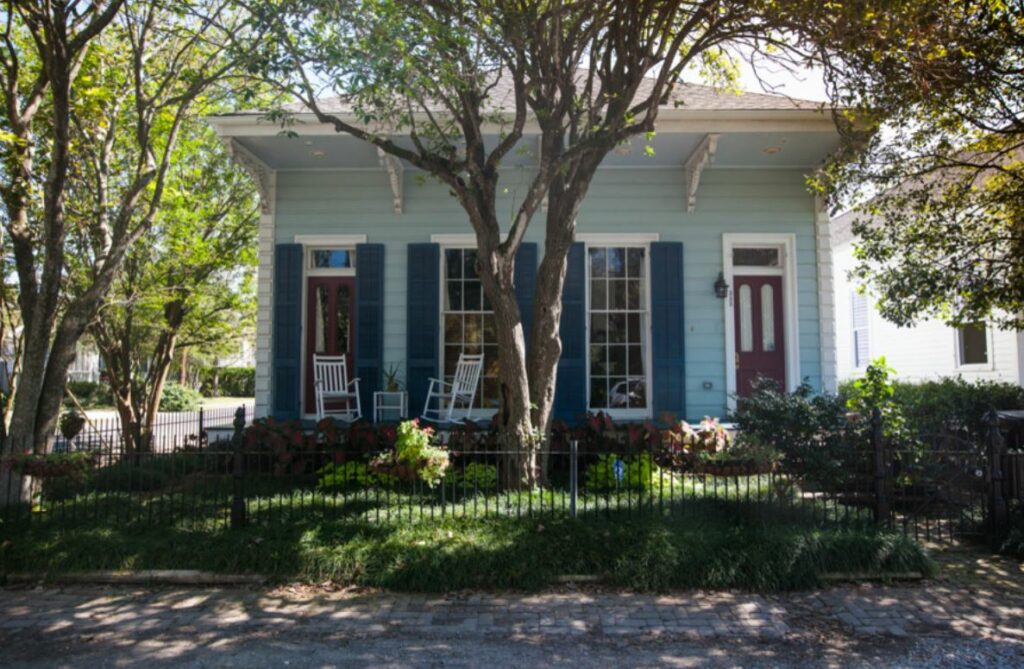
column 330, row 378
column 457, row 395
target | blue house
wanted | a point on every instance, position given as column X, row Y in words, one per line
column 694, row 269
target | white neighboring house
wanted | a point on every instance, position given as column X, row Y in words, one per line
column 928, row 350
column 87, row 366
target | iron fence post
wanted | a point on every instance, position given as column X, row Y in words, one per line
column 998, row 514
column 573, row 476
column 238, row 500
column 881, row 471
column 200, row 438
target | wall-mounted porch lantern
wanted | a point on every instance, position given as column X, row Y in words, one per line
column 721, row 287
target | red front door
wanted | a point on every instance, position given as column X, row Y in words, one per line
column 760, row 343
column 330, row 324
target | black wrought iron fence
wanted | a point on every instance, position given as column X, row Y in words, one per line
column 942, row 488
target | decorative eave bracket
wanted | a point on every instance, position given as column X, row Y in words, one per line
column 701, row 157
column 262, row 175
column 394, row 169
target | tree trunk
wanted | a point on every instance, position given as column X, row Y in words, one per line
column 564, row 201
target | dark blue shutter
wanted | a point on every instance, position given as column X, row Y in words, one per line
column 668, row 354
column 422, row 322
column 286, row 362
column 526, row 284
column 369, row 360
column 571, row 384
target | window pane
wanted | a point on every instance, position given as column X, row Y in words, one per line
column 599, row 294
column 598, row 328
column 598, row 265
column 453, row 328
column 490, row 335
column 322, row 309
column 755, row 257
column 617, row 360
column 637, row 393
column 635, row 263
column 618, row 393
column 474, row 328
column 767, row 319
column 598, row 360
column 453, row 263
column 469, row 264
column 473, row 296
column 330, row 258
column 453, row 296
column 617, row 328
column 636, row 361
column 634, row 294
column 617, row 263
column 746, row 320
column 598, row 392
column 451, row 360
column 341, row 327
column 616, row 294
column 634, row 334
column 973, row 344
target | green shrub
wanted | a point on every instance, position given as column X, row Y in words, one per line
column 90, row 394
column 352, row 474
column 638, row 473
column 177, row 397
column 476, row 476
column 231, row 381
column 819, row 445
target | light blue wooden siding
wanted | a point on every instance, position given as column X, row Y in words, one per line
column 643, row 200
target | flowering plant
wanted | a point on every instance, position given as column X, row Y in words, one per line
column 414, row 456
column 682, row 443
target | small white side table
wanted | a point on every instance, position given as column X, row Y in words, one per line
column 388, row 401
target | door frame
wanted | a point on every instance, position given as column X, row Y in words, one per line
column 310, row 242
column 786, row 243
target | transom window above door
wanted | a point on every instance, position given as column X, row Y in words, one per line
column 619, row 336
column 331, row 258
column 764, row 256
column 468, row 322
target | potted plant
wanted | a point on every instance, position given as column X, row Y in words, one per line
column 391, row 383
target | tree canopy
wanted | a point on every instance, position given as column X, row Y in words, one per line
column 940, row 185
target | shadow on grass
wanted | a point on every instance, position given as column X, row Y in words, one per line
column 701, row 544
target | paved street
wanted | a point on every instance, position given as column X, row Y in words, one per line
column 943, row 624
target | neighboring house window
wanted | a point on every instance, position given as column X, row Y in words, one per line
column 972, row 342
column 468, row 323
column 861, row 339
column 619, row 334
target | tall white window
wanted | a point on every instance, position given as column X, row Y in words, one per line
column 861, row 338
column 972, row 342
column 468, row 323
column 618, row 333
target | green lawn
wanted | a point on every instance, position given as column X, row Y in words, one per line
column 706, row 544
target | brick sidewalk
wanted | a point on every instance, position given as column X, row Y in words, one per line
column 857, row 611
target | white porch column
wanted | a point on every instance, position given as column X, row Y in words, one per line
column 826, row 296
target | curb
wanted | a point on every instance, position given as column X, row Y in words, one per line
column 140, row 577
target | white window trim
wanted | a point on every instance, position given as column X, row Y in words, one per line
column 787, row 242
column 974, row 367
column 453, row 241
column 635, row 240
column 329, row 240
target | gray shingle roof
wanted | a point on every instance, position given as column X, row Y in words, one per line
column 695, row 97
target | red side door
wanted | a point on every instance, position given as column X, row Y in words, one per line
column 330, row 324
column 760, row 340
